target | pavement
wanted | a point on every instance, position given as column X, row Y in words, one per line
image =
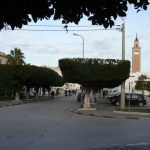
column 6, row 103
column 101, row 110
column 106, row 111
column 110, row 112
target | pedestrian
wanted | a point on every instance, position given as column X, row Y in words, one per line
column 69, row 92
column 52, row 94
column 103, row 94
column 65, row 92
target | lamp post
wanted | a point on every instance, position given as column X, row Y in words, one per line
column 82, row 43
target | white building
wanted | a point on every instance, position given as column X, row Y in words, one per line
column 130, row 84
column 136, row 68
column 66, row 86
column 56, row 69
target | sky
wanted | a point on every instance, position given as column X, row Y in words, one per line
column 45, row 48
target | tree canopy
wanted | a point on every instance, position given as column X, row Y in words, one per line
column 142, row 83
column 95, row 73
column 16, row 57
column 31, row 76
column 100, row 12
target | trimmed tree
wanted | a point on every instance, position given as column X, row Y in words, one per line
column 94, row 73
column 18, row 76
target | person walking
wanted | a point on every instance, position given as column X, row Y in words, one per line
column 52, row 94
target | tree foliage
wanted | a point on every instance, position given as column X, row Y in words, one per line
column 100, row 12
column 95, row 73
column 16, row 57
column 142, row 77
column 148, row 86
column 31, row 76
column 142, row 83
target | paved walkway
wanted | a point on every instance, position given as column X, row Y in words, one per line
column 101, row 110
column 109, row 112
column 23, row 101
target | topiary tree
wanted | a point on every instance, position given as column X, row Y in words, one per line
column 18, row 76
column 100, row 12
column 41, row 77
column 94, row 73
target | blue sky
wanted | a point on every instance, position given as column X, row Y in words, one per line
column 47, row 47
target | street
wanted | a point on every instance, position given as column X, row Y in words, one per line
column 51, row 125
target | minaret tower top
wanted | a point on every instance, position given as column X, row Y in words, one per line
column 136, row 56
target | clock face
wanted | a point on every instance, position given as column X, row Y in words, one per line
column 136, row 53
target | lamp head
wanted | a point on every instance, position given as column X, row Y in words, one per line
column 75, row 34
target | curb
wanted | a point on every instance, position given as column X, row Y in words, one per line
column 132, row 113
column 26, row 102
column 20, row 103
column 104, row 116
column 132, row 118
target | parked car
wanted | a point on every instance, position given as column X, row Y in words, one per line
column 132, row 99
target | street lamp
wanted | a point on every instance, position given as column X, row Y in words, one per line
column 82, row 43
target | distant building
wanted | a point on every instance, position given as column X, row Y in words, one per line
column 130, row 84
column 66, row 86
column 56, row 69
column 136, row 56
column 3, row 58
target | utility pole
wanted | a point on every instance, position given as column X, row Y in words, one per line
column 122, row 104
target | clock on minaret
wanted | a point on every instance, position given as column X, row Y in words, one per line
column 136, row 56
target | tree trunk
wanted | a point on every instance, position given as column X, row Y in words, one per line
column 27, row 92
column 43, row 92
column 87, row 99
column 49, row 94
column 12, row 93
column 37, row 92
column 142, row 92
column 17, row 97
column 5, row 93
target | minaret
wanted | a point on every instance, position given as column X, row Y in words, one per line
column 136, row 56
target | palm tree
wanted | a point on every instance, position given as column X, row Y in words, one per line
column 142, row 77
column 141, row 83
column 16, row 57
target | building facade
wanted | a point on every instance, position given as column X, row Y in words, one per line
column 3, row 58
column 66, row 86
column 136, row 56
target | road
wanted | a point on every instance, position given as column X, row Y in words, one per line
column 51, row 125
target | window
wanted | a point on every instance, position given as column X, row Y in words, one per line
column 140, row 97
column 134, row 97
column 128, row 96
